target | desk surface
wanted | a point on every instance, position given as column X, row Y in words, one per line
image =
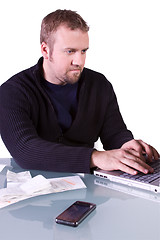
column 117, row 216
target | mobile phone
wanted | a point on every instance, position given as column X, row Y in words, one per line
column 76, row 213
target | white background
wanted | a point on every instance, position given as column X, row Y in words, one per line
column 124, row 46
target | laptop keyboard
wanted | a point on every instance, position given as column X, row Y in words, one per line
column 148, row 178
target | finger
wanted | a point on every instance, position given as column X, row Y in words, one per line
column 132, row 154
column 150, row 151
column 135, row 145
column 138, row 165
column 126, row 169
column 155, row 154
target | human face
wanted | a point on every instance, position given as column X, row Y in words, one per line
column 65, row 63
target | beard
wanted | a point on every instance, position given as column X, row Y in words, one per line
column 73, row 75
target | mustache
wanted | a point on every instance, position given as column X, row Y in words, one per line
column 76, row 68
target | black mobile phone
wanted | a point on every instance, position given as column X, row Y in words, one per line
column 76, row 213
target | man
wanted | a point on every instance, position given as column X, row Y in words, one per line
column 52, row 113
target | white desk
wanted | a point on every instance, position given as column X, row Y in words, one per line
column 118, row 216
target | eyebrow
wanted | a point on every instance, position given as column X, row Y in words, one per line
column 75, row 49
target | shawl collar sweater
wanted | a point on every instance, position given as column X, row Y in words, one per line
column 30, row 130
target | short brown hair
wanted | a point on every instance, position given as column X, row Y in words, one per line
column 52, row 21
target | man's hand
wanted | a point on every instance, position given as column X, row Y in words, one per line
column 142, row 148
column 128, row 159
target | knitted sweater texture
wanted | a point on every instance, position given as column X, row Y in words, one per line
column 30, row 130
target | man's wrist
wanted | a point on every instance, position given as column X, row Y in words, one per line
column 93, row 157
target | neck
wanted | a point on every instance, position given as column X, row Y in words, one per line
column 48, row 75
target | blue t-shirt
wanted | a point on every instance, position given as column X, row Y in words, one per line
column 64, row 101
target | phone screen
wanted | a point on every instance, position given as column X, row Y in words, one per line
column 75, row 213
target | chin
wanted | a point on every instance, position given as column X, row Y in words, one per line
column 73, row 79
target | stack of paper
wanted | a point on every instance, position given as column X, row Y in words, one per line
column 21, row 186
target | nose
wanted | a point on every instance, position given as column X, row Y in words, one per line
column 78, row 59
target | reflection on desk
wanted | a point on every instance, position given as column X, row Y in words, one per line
column 118, row 215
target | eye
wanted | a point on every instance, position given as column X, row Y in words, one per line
column 69, row 51
column 84, row 51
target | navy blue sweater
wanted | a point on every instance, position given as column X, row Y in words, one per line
column 31, row 132
column 64, row 99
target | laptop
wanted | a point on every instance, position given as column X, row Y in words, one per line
column 150, row 181
column 133, row 191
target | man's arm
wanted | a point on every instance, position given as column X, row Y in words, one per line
column 122, row 151
column 28, row 149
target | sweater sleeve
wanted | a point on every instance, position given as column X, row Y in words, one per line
column 28, row 149
column 114, row 132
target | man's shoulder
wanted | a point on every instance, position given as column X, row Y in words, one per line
column 22, row 78
column 22, row 84
column 95, row 77
column 92, row 73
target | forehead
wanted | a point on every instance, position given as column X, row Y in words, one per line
column 68, row 38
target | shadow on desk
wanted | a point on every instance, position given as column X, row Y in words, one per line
column 45, row 208
column 34, row 218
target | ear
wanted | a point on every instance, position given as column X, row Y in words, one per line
column 45, row 50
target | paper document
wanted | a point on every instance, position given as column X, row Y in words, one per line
column 21, row 186
column 16, row 179
column 2, row 166
column 5, row 162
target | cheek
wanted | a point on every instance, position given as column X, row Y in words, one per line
column 83, row 60
column 62, row 67
column 63, row 61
